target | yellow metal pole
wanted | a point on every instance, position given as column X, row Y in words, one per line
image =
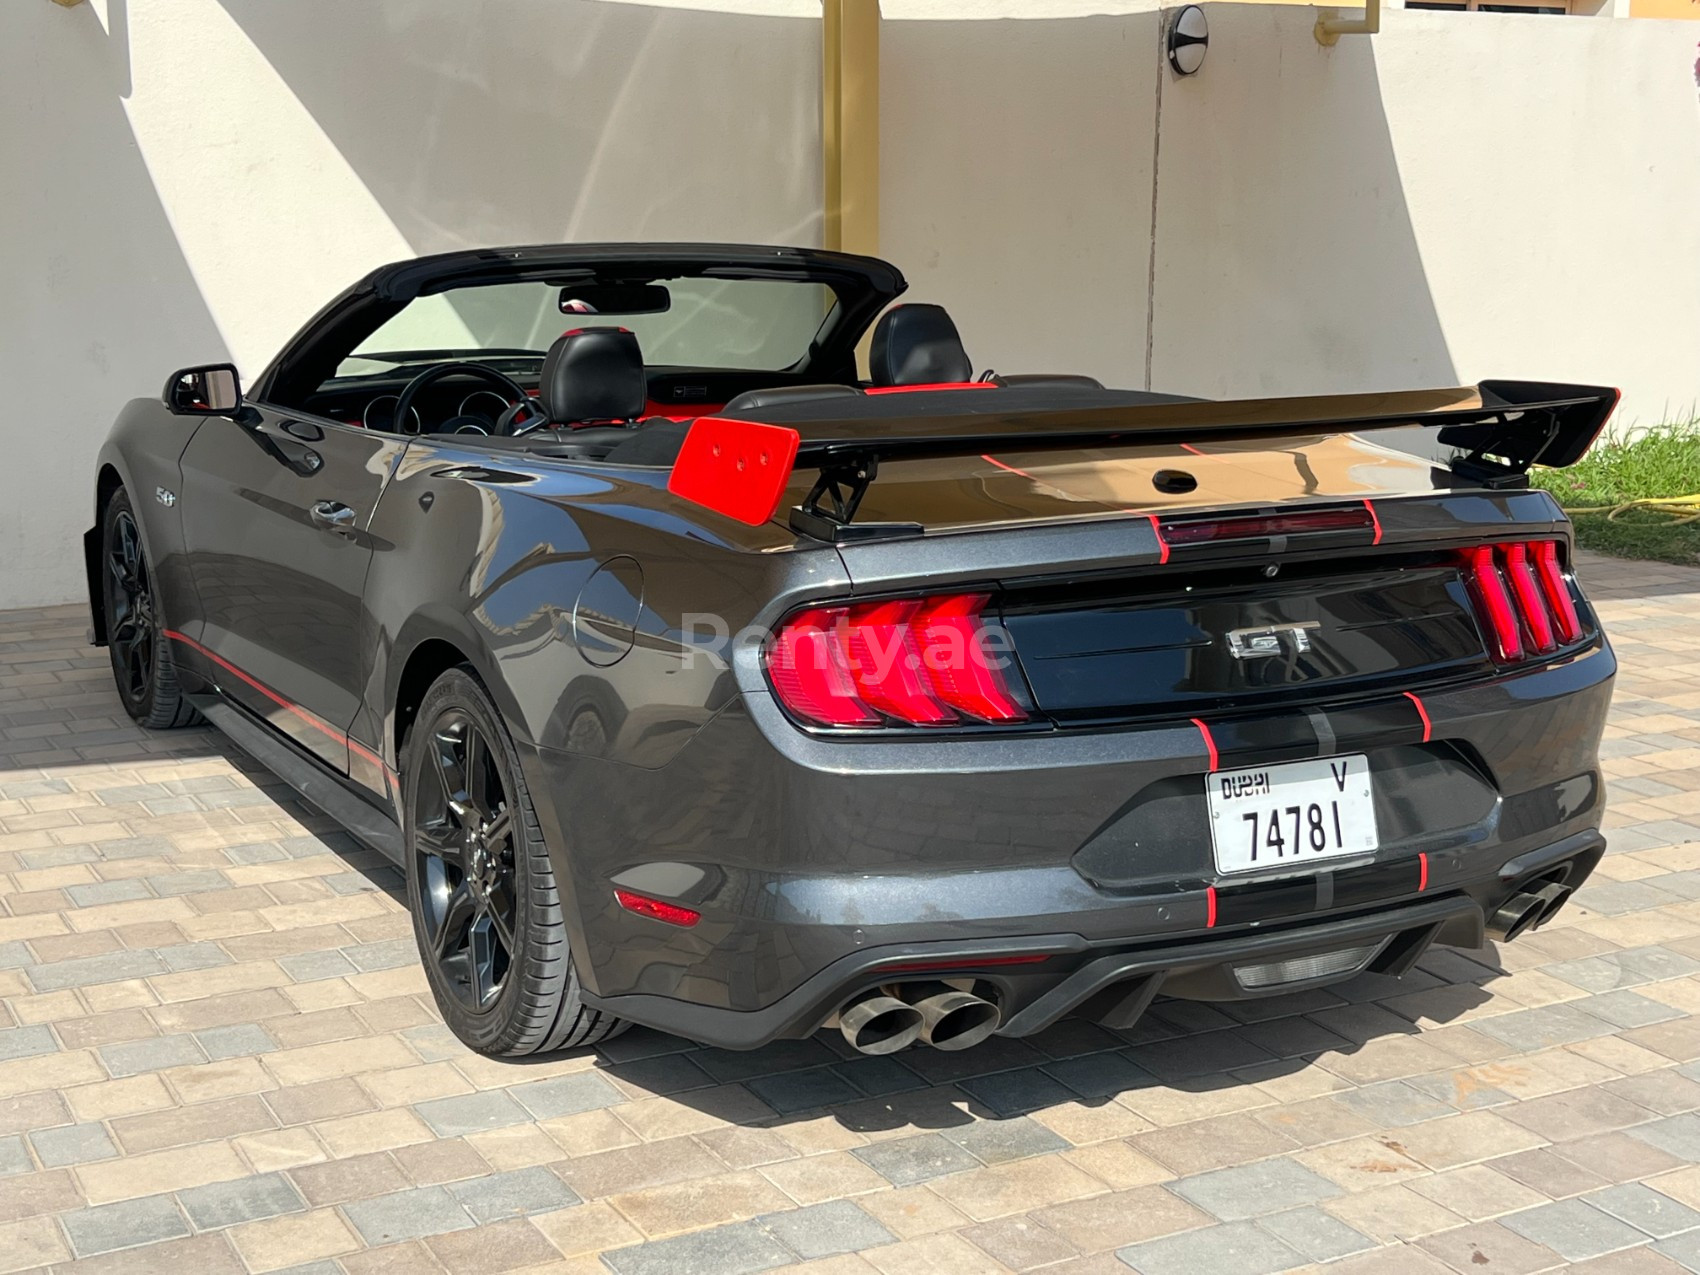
column 1330, row 26
column 850, row 124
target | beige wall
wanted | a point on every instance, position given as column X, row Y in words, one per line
column 192, row 179
column 1463, row 196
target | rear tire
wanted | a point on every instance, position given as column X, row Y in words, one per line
column 486, row 909
column 142, row 667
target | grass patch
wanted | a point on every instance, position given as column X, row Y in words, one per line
column 1662, row 462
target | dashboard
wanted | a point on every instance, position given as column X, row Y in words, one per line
column 465, row 404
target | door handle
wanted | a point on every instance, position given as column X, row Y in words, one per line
column 333, row 516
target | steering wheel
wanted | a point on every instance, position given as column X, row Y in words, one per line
column 430, row 376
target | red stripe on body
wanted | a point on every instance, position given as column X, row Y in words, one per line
column 317, row 723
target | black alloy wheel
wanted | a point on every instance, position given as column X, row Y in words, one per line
column 130, row 626
column 480, row 883
column 464, row 845
column 142, row 665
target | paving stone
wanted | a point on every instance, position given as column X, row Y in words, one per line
column 1250, row 1190
column 72, row 1144
column 471, row 1113
column 1013, row 1093
column 129, row 1224
column 193, row 956
column 385, row 955
column 88, row 896
column 514, row 1194
column 1319, row 1237
column 239, row 1040
column 14, row 1156
column 741, row 1249
column 996, row 1141
column 802, row 1090
column 824, row 1230
column 1574, row 1229
column 1646, row 1210
column 879, row 1077
column 407, row 1215
column 1676, row 1135
column 566, row 1095
column 906, row 1161
column 1543, row 1028
column 310, row 967
column 27, row 1042
column 1101, row 1075
column 1393, row 1103
column 189, row 881
column 1235, row 1248
column 1683, row 1250
column 221, row 1204
column 1629, row 1009
column 134, row 1057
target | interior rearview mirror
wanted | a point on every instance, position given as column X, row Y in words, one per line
column 615, row 298
column 213, row 390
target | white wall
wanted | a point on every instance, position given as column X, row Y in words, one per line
column 1462, row 196
column 186, row 181
column 1015, row 182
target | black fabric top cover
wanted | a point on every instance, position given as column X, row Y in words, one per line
column 917, row 345
column 593, row 374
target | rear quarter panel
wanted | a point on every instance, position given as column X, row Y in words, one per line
column 571, row 590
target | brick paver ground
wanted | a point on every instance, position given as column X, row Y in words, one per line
column 217, row 1053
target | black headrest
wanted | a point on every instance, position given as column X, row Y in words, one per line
column 781, row 395
column 917, row 345
column 593, row 374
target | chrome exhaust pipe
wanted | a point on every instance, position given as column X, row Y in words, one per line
column 875, row 1023
column 1524, row 910
column 951, row 1019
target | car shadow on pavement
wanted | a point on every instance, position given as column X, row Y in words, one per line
column 1184, row 1061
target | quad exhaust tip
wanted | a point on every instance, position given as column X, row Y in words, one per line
column 889, row 1019
column 879, row 1024
column 951, row 1018
column 1525, row 910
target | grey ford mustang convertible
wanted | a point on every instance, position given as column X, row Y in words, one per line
column 697, row 682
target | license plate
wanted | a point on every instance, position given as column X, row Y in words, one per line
column 1302, row 812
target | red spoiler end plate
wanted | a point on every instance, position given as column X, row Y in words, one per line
column 737, row 468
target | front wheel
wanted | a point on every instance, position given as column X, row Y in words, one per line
column 486, row 909
column 142, row 667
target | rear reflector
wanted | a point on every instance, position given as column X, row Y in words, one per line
column 737, row 468
column 909, row 662
column 1301, row 969
column 1260, row 527
column 963, row 963
column 1522, row 598
column 671, row 913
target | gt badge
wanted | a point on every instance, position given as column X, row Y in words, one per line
column 1271, row 639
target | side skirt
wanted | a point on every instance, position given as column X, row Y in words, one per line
column 309, row 776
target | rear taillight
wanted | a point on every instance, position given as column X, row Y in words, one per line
column 910, row 662
column 1522, row 598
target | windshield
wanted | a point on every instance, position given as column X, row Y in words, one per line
column 763, row 325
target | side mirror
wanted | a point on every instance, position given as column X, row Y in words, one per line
column 214, row 390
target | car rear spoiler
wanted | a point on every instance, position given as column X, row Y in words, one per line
column 1500, row 429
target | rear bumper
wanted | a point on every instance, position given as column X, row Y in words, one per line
column 1113, row 982
column 813, row 863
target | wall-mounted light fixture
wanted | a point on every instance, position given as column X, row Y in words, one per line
column 1189, row 37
